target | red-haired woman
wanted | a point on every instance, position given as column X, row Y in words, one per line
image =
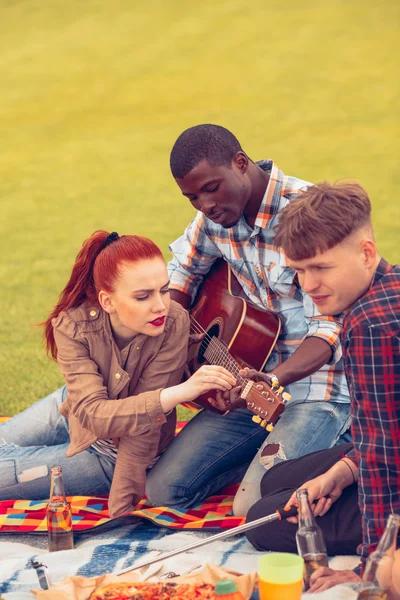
column 121, row 344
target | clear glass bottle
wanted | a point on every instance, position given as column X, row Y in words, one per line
column 59, row 515
column 309, row 539
column 378, row 570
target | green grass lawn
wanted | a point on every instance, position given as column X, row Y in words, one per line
column 94, row 94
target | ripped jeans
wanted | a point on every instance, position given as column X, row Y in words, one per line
column 35, row 440
column 213, row 451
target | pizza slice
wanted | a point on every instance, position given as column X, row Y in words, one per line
column 153, row 591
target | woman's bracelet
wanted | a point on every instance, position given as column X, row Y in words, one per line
column 351, row 470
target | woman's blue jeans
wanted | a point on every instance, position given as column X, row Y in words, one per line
column 37, row 439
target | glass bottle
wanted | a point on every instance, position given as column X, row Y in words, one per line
column 378, row 570
column 58, row 515
column 309, row 539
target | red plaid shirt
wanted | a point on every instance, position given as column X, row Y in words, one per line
column 371, row 349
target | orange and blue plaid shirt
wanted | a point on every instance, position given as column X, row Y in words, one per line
column 371, row 347
column 266, row 280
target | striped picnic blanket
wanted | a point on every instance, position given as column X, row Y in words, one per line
column 29, row 516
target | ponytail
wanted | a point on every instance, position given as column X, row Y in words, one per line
column 79, row 288
column 90, row 275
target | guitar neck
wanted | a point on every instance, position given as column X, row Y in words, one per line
column 216, row 353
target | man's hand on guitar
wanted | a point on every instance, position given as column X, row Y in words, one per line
column 228, row 400
column 255, row 375
column 231, row 399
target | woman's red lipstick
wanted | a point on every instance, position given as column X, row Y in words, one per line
column 158, row 322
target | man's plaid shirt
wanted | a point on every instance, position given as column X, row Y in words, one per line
column 371, row 347
column 266, row 280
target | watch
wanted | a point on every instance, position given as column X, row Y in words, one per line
column 274, row 380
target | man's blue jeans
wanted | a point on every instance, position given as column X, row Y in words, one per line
column 213, row 451
column 35, row 440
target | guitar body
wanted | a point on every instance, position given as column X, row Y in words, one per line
column 248, row 332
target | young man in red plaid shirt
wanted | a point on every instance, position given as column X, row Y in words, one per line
column 328, row 238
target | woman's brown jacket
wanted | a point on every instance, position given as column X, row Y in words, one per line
column 116, row 394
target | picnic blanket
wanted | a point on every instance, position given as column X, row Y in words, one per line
column 29, row 516
column 104, row 545
column 106, row 551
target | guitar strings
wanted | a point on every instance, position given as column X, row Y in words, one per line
column 227, row 360
column 200, row 329
column 217, row 352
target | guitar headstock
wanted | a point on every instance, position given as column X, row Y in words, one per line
column 265, row 402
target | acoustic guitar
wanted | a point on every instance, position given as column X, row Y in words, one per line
column 238, row 334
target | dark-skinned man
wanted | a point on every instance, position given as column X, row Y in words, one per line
column 238, row 203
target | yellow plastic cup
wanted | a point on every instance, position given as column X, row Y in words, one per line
column 280, row 576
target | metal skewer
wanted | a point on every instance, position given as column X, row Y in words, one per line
column 279, row 514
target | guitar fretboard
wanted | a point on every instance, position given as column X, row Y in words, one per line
column 217, row 354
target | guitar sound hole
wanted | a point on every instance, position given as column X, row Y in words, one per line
column 212, row 332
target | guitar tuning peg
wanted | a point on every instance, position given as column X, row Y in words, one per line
column 280, row 390
column 286, row 396
column 263, row 423
column 269, row 427
column 256, row 419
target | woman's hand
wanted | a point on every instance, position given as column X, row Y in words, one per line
column 325, row 578
column 208, row 377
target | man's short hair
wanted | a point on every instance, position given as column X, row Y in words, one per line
column 322, row 217
column 212, row 143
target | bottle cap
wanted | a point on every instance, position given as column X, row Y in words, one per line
column 56, row 470
column 225, row 586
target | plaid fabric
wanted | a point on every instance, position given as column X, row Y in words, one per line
column 28, row 516
column 265, row 279
column 371, row 346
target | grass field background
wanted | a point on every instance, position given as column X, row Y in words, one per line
column 94, row 93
